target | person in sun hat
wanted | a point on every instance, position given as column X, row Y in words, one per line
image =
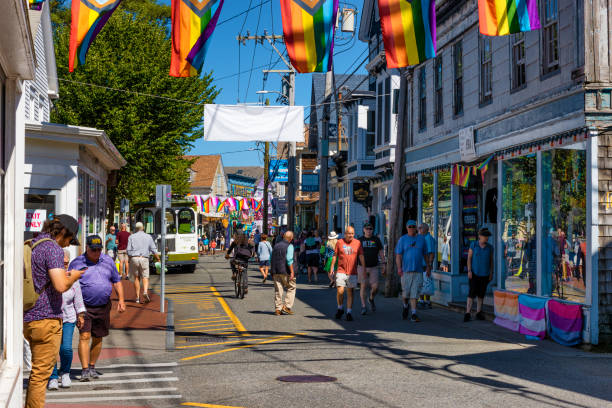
column 480, row 272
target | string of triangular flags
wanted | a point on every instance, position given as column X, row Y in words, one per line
column 309, row 26
column 460, row 175
column 215, row 204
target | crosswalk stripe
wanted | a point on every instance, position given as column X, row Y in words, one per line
column 130, row 381
column 173, row 364
column 122, row 398
column 51, row 396
column 130, row 374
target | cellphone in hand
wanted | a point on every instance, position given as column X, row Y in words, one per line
column 83, row 268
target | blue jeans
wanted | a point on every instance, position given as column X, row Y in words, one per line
column 65, row 351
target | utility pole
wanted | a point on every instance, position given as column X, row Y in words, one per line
column 392, row 281
column 324, row 153
column 291, row 185
column 266, row 182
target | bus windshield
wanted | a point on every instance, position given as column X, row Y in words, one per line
column 186, row 221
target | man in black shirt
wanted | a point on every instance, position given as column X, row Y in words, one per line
column 373, row 253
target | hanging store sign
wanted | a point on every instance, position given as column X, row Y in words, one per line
column 361, row 192
column 310, row 183
column 467, row 148
column 279, row 171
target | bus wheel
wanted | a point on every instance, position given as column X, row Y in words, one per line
column 189, row 268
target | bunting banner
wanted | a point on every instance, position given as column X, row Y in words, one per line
column 206, row 206
column 256, row 204
column 231, row 203
column 484, row 167
column 503, row 17
column 220, row 205
column 309, row 27
column 88, row 18
column 460, row 175
column 193, row 23
column 409, row 31
column 198, row 201
column 214, row 203
column 36, row 4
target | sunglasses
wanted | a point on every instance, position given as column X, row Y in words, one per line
column 369, row 229
column 411, row 226
column 95, row 249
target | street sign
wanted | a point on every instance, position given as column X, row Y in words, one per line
column 310, row 182
column 163, row 200
column 125, row 205
column 279, row 171
column 163, row 195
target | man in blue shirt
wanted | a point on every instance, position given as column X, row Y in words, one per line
column 480, row 272
column 410, row 255
column 111, row 243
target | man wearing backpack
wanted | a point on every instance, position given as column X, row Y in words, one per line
column 46, row 280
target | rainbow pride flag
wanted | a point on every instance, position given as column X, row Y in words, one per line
column 88, row 18
column 206, row 205
column 460, row 175
column 231, row 203
column 309, row 27
column 409, row 31
column 502, row 17
column 220, row 205
column 193, row 22
column 484, row 167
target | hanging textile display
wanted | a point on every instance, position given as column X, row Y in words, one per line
column 484, row 167
column 506, row 310
column 88, row 18
column 460, row 175
column 503, row 17
column 193, row 23
column 309, row 27
column 564, row 323
column 532, row 320
column 409, row 31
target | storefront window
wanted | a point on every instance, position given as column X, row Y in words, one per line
column 186, row 221
column 82, row 205
column 444, row 220
column 91, row 212
column 102, row 207
column 564, row 222
column 38, row 208
column 428, row 199
column 518, row 223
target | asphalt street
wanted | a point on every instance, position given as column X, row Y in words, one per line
column 230, row 353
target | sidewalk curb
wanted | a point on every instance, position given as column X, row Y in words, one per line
column 170, row 325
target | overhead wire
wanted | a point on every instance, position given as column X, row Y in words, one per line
column 243, row 12
column 246, row 94
column 246, row 13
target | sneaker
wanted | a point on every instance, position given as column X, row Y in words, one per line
column 349, row 317
column 339, row 313
column 414, row 318
column 286, row 311
column 480, row 316
column 53, row 385
column 467, row 317
column 85, row 375
column 277, row 312
column 146, row 297
column 372, row 304
column 405, row 313
column 137, row 300
column 93, row 373
column 364, row 311
column 66, row 381
column 264, row 280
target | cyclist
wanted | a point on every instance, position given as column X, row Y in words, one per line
column 243, row 251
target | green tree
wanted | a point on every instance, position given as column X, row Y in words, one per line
column 132, row 53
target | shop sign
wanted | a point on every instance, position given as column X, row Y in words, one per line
column 310, row 183
column 281, row 206
column 279, row 171
column 361, row 192
column 467, row 149
column 34, row 220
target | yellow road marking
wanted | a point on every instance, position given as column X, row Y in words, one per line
column 208, row 325
column 197, row 404
column 220, row 343
column 199, row 323
column 229, row 312
column 203, row 318
column 239, row 347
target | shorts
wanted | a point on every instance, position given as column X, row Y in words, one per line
column 112, row 253
column 346, row 281
column 369, row 275
column 411, row 284
column 312, row 260
column 478, row 286
column 122, row 255
column 97, row 320
column 264, row 263
column 139, row 266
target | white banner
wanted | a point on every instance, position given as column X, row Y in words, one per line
column 247, row 123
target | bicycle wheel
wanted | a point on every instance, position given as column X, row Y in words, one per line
column 237, row 284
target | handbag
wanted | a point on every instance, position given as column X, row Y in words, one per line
column 428, row 286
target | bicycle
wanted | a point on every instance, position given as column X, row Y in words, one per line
column 239, row 286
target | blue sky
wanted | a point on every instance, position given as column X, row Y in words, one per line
column 223, row 59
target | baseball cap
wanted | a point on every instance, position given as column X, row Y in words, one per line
column 411, row 223
column 71, row 226
column 367, row 225
column 94, row 242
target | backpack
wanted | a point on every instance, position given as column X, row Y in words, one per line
column 30, row 296
column 242, row 252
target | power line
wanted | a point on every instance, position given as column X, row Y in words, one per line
column 245, row 11
column 246, row 94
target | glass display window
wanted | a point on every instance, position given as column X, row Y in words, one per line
column 518, row 227
column 40, row 205
column 564, row 224
column 427, row 211
column 444, row 220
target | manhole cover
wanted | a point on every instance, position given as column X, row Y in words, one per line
column 306, row 378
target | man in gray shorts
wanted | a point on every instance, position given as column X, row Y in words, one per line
column 410, row 252
column 140, row 245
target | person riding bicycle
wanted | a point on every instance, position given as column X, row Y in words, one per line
column 243, row 251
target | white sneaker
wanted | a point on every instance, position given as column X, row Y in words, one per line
column 53, row 386
column 66, row 381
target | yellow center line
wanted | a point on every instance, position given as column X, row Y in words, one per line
column 211, row 317
column 206, row 325
column 197, row 404
column 220, row 343
column 239, row 347
column 229, row 312
column 211, row 321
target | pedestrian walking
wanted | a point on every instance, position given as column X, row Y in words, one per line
column 410, row 254
column 140, row 246
column 122, row 242
column 96, row 286
column 73, row 311
column 428, row 287
column 283, row 275
column 264, row 253
column 480, row 273
column 42, row 323
column 311, row 247
column 374, row 256
column 111, row 243
column 348, row 250
column 330, row 250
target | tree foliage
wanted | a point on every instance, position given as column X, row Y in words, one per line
column 129, row 62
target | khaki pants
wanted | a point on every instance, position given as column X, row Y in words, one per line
column 282, row 282
column 45, row 337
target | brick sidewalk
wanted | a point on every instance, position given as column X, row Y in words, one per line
column 137, row 316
